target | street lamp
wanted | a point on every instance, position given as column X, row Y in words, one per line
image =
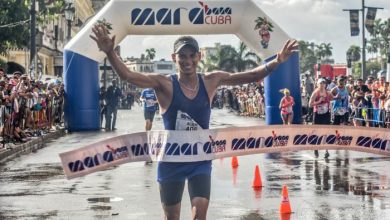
column 388, row 63
column 69, row 16
column 33, row 48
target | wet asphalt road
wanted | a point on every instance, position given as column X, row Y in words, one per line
column 348, row 185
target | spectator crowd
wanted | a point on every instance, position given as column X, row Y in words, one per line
column 344, row 100
column 246, row 100
column 28, row 108
column 31, row 108
column 352, row 101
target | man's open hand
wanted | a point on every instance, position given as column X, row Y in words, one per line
column 102, row 38
column 289, row 47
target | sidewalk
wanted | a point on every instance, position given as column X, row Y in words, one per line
column 12, row 151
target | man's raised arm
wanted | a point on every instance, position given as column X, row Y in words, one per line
column 106, row 44
column 259, row 72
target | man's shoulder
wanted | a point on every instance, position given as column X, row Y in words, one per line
column 213, row 74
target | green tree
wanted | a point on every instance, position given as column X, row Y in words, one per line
column 307, row 57
column 355, row 52
column 12, row 12
column 319, row 51
column 228, row 58
column 242, row 59
column 380, row 38
column 150, row 53
column 327, row 49
column 373, row 68
column 208, row 64
column 220, row 60
column 17, row 12
column 49, row 10
column 373, row 46
column 356, row 70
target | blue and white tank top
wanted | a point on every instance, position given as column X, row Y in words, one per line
column 185, row 114
column 340, row 106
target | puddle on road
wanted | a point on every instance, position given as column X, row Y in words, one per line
column 14, row 215
column 101, row 207
column 101, row 203
column 32, row 172
column 370, row 159
column 104, row 199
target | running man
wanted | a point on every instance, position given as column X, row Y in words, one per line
column 184, row 101
column 148, row 97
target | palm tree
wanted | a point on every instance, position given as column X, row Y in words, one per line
column 230, row 59
column 377, row 28
column 373, row 45
column 380, row 38
column 327, row 49
column 218, row 60
column 151, row 53
column 304, row 48
column 307, row 57
column 319, row 51
column 244, row 59
column 355, row 52
column 209, row 64
column 385, row 36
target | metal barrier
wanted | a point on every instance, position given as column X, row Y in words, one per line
column 375, row 116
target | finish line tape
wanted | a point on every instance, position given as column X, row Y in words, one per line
column 190, row 146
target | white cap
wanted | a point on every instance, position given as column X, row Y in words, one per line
column 321, row 80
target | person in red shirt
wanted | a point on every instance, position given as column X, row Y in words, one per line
column 320, row 101
column 286, row 107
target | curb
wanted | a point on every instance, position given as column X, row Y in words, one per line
column 28, row 147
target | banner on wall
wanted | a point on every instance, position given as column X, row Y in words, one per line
column 354, row 22
column 190, row 146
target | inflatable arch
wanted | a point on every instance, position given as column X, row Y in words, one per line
column 151, row 17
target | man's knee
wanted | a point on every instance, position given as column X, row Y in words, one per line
column 200, row 206
column 172, row 212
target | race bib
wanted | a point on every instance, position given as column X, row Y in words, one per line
column 289, row 109
column 149, row 103
column 322, row 108
column 341, row 111
column 185, row 122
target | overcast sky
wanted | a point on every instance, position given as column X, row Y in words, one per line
column 310, row 20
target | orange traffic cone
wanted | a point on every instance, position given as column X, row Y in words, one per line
column 285, row 217
column 234, row 162
column 234, row 176
column 257, row 183
column 285, row 207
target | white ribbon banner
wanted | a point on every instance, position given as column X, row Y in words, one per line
column 190, row 146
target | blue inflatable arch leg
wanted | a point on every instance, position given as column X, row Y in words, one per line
column 81, row 81
column 286, row 75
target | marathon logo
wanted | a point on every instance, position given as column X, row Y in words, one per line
column 373, row 142
column 186, row 149
column 337, row 139
column 139, row 149
column 166, row 16
column 214, row 146
column 108, row 156
column 259, row 142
